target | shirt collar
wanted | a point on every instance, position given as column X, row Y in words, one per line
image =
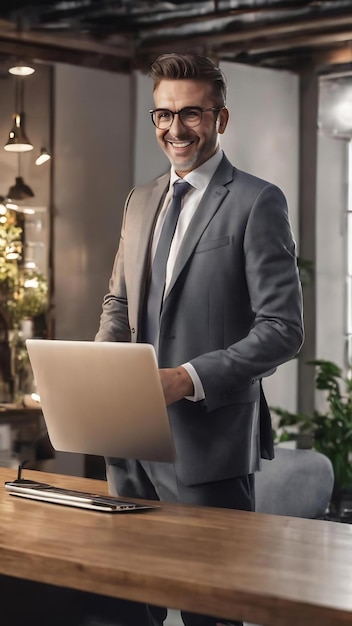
column 201, row 176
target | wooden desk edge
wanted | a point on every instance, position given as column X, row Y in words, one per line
column 250, row 606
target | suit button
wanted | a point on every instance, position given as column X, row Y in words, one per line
column 133, row 330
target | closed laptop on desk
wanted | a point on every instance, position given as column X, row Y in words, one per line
column 102, row 398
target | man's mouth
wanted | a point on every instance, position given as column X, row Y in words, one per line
column 180, row 144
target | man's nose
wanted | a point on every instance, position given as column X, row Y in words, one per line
column 177, row 125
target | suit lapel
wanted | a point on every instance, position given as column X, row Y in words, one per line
column 150, row 204
column 208, row 207
column 148, row 208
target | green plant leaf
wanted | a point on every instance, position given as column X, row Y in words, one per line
column 331, row 431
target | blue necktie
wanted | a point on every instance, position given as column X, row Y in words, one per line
column 158, row 275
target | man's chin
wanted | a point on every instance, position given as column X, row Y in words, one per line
column 183, row 166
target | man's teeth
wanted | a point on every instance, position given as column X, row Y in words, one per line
column 180, row 144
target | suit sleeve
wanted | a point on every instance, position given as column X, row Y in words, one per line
column 114, row 325
column 272, row 278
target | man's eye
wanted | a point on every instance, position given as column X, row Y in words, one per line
column 191, row 113
column 164, row 115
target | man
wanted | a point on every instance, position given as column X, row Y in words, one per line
column 224, row 312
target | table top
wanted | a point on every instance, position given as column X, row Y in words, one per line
column 13, row 414
column 265, row 569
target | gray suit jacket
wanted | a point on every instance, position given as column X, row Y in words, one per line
column 233, row 310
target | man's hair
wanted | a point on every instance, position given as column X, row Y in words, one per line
column 175, row 66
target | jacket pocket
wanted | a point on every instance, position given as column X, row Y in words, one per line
column 210, row 244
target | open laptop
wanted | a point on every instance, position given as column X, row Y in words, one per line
column 100, row 398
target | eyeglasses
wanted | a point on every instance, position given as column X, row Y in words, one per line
column 189, row 116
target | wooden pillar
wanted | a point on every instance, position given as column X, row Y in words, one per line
column 309, row 96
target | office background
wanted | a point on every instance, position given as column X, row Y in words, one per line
column 102, row 142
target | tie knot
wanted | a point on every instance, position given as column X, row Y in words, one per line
column 180, row 189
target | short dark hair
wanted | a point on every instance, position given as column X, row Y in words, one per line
column 190, row 66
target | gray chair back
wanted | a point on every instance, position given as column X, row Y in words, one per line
column 296, row 482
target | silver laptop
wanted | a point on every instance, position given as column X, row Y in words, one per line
column 102, row 398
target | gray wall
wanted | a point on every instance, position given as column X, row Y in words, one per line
column 93, row 173
column 149, row 160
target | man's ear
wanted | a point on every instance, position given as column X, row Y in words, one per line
column 222, row 120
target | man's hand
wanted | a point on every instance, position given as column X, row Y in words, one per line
column 176, row 384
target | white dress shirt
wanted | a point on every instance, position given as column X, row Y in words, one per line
column 199, row 179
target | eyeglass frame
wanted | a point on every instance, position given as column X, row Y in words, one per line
column 173, row 113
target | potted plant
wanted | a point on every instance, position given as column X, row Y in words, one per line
column 31, row 298
column 330, row 432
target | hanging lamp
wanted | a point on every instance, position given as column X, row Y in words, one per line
column 21, row 68
column 42, row 157
column 20, row 190
column 18, row 140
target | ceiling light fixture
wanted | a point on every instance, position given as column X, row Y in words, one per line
column 42, row 157
column 18, row 140
column 21, row 69
column 20, row 190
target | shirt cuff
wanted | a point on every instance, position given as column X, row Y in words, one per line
column 197, row 384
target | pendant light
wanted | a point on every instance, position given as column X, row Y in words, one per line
column 20, row 190
column 18, row 140
column 42, row 157
column 21, row 68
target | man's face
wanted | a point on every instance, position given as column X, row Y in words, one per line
column 187, row 148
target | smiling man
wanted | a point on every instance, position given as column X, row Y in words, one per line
column 185, row 132
column 206, row 271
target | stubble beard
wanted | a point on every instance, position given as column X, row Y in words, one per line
column 185, row 166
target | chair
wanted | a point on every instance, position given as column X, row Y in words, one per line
column 296, row 482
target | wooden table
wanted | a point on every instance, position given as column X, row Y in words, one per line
column 19, row 415
column 264, row 569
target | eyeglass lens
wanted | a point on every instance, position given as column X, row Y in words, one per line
column 189, row 116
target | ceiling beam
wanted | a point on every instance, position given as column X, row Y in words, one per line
column 247, row 35
column 122, row 46
column 341, row 56
column 68, row 48
column 173, row 21
column 292, row 43
column 122, row 53
column 52, row 54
